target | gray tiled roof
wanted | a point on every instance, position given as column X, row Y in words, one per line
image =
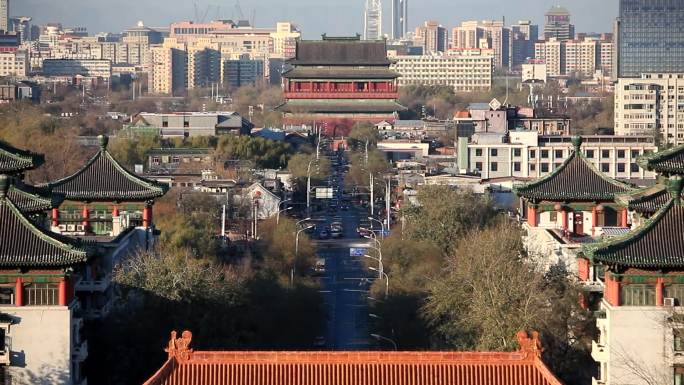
column 665, row 162
column 341, row 52
column 22, row 244
column 104, row 179
column 13, row 160
column 31, row 200
column 576, row 179
column 657, row 244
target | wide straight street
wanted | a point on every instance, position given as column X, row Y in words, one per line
column 346, row 282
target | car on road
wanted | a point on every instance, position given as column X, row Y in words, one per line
column 324, row 234
column 336, row 230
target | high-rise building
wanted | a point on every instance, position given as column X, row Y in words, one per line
column 465, row 73
column 432, row 37
column 169, row 67
column 372, row 20
column 487, row 34
column 649, row 37
column 22, row 26
column 552, row 52
column 558, row 24
column 5, row 15
column 399, row 19
column 523, row 36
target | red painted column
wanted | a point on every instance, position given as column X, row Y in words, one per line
column 564, row 218
column 594, row 220
column 532, row 216
column 623, row 218
column 55, row 217
column 147, row 216
column 19, row 292
column 583, row 269
column 115, row 211
column 85, row 214
column 659, row 291
column 62, row 292
column 612, row 290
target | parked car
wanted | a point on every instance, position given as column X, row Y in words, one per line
column 324, row 234
column 363, row 232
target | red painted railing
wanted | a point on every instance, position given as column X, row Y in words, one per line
column 341, row 95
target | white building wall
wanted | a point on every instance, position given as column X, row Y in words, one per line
column 635, row 345
column 462, row 72
column 41, row 341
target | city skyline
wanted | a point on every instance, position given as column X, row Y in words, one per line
column 305, row 13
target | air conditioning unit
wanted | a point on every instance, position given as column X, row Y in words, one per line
column 670, row 302
column 71, row 228
column 80, row 228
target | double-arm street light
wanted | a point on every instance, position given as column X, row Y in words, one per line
column 278, row 215
column 294, row 263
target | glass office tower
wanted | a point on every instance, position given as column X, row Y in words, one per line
column 650, row 37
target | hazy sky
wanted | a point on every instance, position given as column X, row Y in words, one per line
column 336, row 17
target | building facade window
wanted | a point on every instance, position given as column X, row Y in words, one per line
column 678, row 337
column 478, row 166
column 494, row 166
column 605, row 167
column 559, row 153
column 42, row 294
column 590, row 153
column 544, row 167
column 516, row 152
column 478, row 152
column 495, row 152
column 533, row 154
column 621, row 167
column 637, row 295
column 516, row 166
column 545, row 154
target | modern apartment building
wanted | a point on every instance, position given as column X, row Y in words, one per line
column 432, row 36
column 487, row 34
column 204, row 64
column 14, row 63
column 648, row 37
column 649, row 105
column 285, row 40
column 169, row 67
column 581, row 57
column 463, row 72
column 551, row 52
column 526, row 154
column 558, row 25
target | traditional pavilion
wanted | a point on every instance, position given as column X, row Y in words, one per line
column 103, row 198
column 14, row 161
column 575, row 198
column 337, row 82
column 186, row 366
column 643, row 275
column 38, row 274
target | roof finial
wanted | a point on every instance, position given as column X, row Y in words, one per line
column 577, row 142
column 675, row 188
column 104, row 140
column 4, row 184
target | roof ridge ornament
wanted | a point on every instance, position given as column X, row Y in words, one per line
column 104, row 141
column 179, row 348
column 577, row 142
column 530, row 345
column 674, row 187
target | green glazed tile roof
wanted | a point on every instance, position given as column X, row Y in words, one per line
column 105, row 179
column 575, row 179
column 13, row 160
column 657, row 244
column 22, row 244
column 664, row 162
column 31, row 200
column 647, row 200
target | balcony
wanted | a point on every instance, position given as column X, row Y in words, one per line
column 79, row 352
column 341, row 95
column 94, row 285
column 599, row 352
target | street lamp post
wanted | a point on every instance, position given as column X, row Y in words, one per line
column 292, row 271
column 379, row 337
column 308, row 187
column 382, row 226
column 278, row 215
column 382, row 273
